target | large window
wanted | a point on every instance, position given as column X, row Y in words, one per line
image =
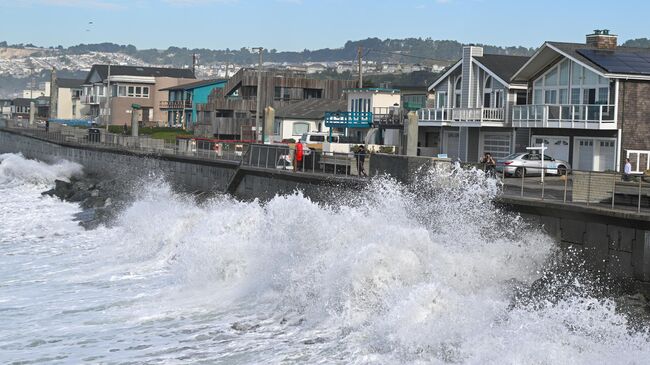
column 442, row 99
column 458, row 92
column 569, row 83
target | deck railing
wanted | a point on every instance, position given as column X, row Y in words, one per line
column 580, row 116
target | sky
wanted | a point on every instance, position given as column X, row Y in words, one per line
column 293, row 25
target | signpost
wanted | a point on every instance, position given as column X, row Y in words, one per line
column 134, row 119
column 541, row 151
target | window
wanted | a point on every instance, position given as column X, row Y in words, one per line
column 145, row 91
column 603, row 95
column 521, row 98
column 442, row 100
column 300, row 128
column 457, row 92
column 121, row 90
column 487, row 92
column 131, row 91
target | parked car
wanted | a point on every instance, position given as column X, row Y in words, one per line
column 518, row 164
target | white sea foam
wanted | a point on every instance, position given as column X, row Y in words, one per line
column 393, row 274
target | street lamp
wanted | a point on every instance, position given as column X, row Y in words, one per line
column 258, row 94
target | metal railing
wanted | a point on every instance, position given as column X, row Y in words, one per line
column 282, row 157
column 581, row 116
column 92, row 99
column 176, row 104
column 608, row 190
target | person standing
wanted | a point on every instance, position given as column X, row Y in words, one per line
column 627, row 170
column 361, row 159
column 298, row 156
column 489, row 164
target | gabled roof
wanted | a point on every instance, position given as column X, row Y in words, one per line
column 312, row 109
column 196, row 84
column 69, row 83
column 102, row 71
column 504, row 66
column 550, row 51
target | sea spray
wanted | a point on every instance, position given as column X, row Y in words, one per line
column 425, row 273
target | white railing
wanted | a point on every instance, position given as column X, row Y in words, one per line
column 463, row 115
column 636, row 157
column 581, row 116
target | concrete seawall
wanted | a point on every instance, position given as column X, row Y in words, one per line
column 612, row 242
column 185, row 173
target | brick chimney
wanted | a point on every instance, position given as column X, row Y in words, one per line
column 602, row 39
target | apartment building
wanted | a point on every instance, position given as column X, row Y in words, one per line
column 230, row 111
column 130, row 85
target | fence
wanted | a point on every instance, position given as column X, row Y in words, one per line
column 610, row 190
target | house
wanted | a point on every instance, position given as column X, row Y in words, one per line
column 182, row 101
column 230, row 112
column 373, row 115
column 471, row 112
column 68, row 101
column 588, row 102
column 32, row 93
column 5, row 108
column 130, row 85
column 20, row 108
column 292, row 120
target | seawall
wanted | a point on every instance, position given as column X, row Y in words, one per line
column 613, row 242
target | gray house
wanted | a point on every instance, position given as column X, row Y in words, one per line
column 472, row 111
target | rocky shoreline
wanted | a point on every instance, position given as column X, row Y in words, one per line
column 94, row 196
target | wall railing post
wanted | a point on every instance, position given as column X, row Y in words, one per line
column 589, row 188
column 523, row 175
column 638, row 208
column 613, row 189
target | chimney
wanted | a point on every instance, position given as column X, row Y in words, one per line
column 602, row 39
column 468, row 98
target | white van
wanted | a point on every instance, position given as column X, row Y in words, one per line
column 319, row 137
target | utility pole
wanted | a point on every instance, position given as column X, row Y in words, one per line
column 258, row 95
column 107, row 111
column 54, row 95
column 194, row 64
column 360, row 57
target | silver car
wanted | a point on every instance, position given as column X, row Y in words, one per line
column 518, row 164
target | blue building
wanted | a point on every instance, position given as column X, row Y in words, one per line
column 182, row 100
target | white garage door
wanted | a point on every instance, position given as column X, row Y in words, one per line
column 497, row 144
column 452, row 144
column 558, row 147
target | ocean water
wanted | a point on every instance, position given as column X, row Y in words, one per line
column 390, row 276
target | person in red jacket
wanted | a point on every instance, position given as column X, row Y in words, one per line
column 298, row 156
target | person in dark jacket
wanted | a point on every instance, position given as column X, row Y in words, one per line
column 361, row 159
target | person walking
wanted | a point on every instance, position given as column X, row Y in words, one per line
column 627, row 170
column 298, row 156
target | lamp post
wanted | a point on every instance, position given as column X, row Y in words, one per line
column 258, row 94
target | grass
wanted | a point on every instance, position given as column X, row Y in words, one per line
column 165, row 133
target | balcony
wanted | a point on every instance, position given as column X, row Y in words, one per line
column 92, row 99
column 575, row 116
column 176, row 104
column 466, row 117
column 387, row 117
column 348, row 119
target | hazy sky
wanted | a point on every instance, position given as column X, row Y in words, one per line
column 311, row 24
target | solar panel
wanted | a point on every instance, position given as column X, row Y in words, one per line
column 615, row 61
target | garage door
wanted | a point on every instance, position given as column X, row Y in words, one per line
column 452, row 144
column 497, row 144
column 558, row 147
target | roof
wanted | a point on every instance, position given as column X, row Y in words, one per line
column 116, row 70
column 310, row 108
column 573, row 51
column 504, row 66
column 22, row 101
column 375, row 89
column 195, row 84
column 69, row 83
